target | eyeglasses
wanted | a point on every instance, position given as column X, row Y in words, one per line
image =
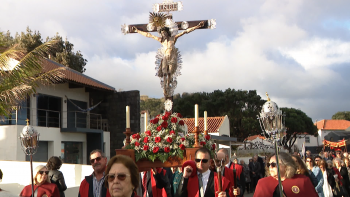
column 317, row 160
column 42, row 172
column 203, row 160
column 97, row 159
column 273, row 164
column 308, row 160
column 120, row 176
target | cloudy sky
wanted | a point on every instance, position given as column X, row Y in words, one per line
column 298, row 51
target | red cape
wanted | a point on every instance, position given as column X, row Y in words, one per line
column 239, row 169
column 49, row 189
column 229, row 175
column 298, row 185
column 156, row 191
column 193, row 185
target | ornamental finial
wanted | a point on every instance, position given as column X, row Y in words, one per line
column 27, row 122
column 268, row 98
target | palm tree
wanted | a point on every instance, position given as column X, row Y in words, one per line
column 21, row 73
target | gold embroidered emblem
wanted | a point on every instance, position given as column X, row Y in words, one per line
column 44, row 195
column 295, row 189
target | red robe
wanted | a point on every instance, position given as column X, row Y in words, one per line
column 156, row 191
column 228, row 173
column 298, row 185
column 239, row 169
column 193, row 185
column 49, row 189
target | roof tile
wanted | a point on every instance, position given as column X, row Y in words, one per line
column 333, row 124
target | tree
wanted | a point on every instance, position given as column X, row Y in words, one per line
column 341, row 115
column 64, row 53
column 153, row 106
column 297, row 123
column 21, row 73
column 241, row 107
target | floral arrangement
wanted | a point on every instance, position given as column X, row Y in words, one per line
column 165, row 138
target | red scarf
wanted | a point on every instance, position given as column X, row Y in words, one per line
column 156, row 191
column 193, row 190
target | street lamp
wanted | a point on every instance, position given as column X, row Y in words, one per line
column 271, row 121
column 30, row 143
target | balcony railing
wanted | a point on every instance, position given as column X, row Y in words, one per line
column 51, row 118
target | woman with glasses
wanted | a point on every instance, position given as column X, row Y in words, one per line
column 302, row 169
column 310, row 163
column 328, row 179
column 42, row 185
column 56, row 176
column 292, row 184
column 122, row 177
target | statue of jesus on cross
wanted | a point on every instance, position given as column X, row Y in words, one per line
column 170, row 52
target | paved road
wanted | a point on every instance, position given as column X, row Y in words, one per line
column 248, row 195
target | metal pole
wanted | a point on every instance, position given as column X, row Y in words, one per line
column 278, row 169
column 31, row 173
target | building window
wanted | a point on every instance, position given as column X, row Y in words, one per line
column 307, row 139
column 49, row 110
column 72, row 152
column 42, row 153
column 76, row 117
column 18, row 117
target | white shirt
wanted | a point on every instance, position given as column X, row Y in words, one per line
column 205, row 178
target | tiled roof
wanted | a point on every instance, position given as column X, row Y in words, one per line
column 75, row 76
column 250, row 138
column 333, row 124
column 213, row 124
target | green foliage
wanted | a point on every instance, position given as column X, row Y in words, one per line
column 341, row 115
column 296, row 123
column 153, row 106
column 241, row 107
column 30, row 40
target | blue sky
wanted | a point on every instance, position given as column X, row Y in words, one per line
column 296, row 50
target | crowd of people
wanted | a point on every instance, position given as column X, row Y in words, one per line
column 325, row 175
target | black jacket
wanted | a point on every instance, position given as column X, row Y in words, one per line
column 209, row 191
column 162, row 181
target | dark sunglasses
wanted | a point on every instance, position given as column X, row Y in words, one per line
column 97, row 159
column 42, row 172
column 203, row 160
column 308, row 160
column 121, row 177
column 273, row 164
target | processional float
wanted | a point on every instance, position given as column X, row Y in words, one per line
column 163, row 136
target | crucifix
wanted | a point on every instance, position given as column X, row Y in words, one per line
column 168, row 58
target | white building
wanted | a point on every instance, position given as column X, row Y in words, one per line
column 332, row 130
column 61, row 115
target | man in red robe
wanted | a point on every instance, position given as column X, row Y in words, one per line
column 239, row 169
column 199, row 181
column 155, row 183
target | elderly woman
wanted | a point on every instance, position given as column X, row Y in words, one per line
column 55, row 176
column 42, row 186
column 122, row 177
column 344, row 174
column 246, row 172
column 293, row 184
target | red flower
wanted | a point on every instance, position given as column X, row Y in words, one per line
column 182, row 147
column 148, row 133
column 183, row 139
column 136, row 136
column 165, row 117
column 172, row 132
column 137, row 144
column 145, row 147
column 179, row 115
column 155, row 121
column 159, row 128
column 155, row 149
column 213, row 147
column 202, row 143
column 174, row 120
column 157, row 139
column 166, row 149
column 207, row 137
column 181, row 122
column 167, row 113
column 169, row 139
column 145, row 140
column 165, row 124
